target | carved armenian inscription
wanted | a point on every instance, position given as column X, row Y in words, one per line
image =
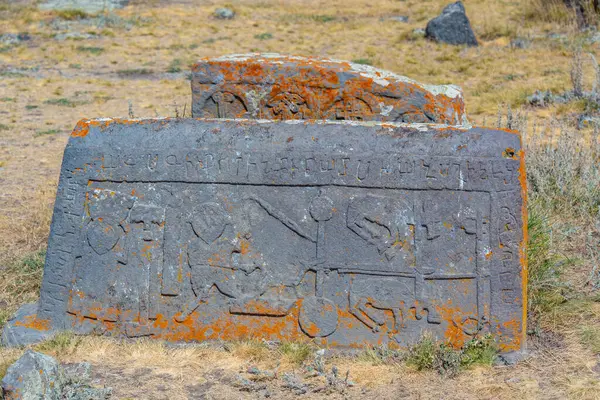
column 247, row 235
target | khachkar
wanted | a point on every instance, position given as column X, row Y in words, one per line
column 271, row 86
column 349, row 233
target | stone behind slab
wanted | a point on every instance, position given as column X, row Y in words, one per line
column 344, row 233
column 277, row 87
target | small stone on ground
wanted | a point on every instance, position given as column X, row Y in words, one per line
column 224, row 13
column 452, row 26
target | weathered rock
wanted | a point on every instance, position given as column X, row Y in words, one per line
column 511, row 358
column 452, row 26
column 400, row 18
column 520, row 43
column 418, row 33
column 224, row 13
column 588, row 121
column 11, row 39
column 541, row 98
column 75, row 36
column 88, row 6
column 35, row 376
column 25, row 328
column 272, row 86
column 346, row 232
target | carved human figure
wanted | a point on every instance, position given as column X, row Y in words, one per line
column 140, row 288
column 228, row 265
column 102, row 253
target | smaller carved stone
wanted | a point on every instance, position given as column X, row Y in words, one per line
column 271, row 86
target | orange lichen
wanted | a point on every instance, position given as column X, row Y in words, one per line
column 524, row 242
column 32, row 322
column 311, row 88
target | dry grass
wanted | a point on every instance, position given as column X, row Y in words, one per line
column 553, row 11
column 146, row 366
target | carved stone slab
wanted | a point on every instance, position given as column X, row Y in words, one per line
column 270, row 86
column 348, row 233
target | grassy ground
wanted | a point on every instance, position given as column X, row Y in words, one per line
column 135, row 61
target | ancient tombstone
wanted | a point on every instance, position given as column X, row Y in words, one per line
column 349, row 233
column 272, row 86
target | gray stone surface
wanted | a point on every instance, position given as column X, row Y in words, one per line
column 10, row 39
column 452, row 26
column 400, row 18
column 349, row 233
column 24, row 328
column 224, row 13
column 512, row 357
column 88, row 6
column 35, row 376
column 520, row 43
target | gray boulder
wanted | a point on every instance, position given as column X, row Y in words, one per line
column 452, row 26
column 35, row 376
column 224, row 13
column 11, row 39
column 88, row 6
column 400, row 18
column 520, row 43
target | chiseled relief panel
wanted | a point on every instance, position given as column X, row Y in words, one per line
column 275, row 242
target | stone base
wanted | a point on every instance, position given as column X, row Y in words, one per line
column 24, row 328
column 512, row 357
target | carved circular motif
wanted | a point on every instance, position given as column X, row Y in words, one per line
column 321, row 208
column 469, row 325
column 101, row 236
column 288, row 105
column 318, row 316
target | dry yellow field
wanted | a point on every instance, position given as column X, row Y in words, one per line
column 135, row 61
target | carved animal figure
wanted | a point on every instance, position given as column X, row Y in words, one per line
column 396, row 294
